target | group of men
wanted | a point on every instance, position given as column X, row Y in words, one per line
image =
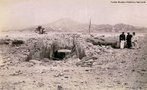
column 130, row 41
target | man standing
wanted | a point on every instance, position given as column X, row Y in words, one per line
column 129, row 40
column 122, row 40
column 134, row 41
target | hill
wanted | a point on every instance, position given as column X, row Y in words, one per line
column 71, row 25
column 68, row 25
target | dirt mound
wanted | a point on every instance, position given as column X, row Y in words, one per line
column 46, row 46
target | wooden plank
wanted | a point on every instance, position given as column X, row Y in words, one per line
column 64, row 50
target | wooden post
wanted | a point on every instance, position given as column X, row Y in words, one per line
column 89, row 26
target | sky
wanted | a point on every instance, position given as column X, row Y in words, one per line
column 17, row 14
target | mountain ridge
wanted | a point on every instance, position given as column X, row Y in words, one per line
column 69, row 25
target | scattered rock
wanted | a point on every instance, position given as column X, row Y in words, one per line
column 133, row 70
column 66, row 77
column 40, row 84
column 35, row 61
column 60, row 88
column 143, row 70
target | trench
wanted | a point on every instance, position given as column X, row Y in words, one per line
column 57, row 49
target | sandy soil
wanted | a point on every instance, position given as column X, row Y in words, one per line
column 113, row 69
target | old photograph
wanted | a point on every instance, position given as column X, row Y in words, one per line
column 73, row 45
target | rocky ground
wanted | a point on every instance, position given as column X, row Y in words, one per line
column 109, row 69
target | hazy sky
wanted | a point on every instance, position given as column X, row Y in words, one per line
column 16, row 14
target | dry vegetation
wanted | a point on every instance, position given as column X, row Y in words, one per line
column 93, row 64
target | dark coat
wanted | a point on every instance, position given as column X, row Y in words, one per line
column 129, row 41
column 122, row 37
column 129, row 38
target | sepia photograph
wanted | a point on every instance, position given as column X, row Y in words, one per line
column 73, row 44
